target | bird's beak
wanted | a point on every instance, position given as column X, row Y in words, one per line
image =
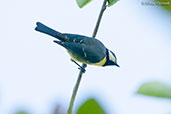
column 117, row 65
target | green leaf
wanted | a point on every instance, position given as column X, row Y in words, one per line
column 82, row 3
column 166, row 4
column 155, row 89
column 111, row 2
column 21, row 112
column 90, row 106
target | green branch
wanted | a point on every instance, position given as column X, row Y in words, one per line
column 84, row 65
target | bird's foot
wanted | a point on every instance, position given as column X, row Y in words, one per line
column 80, row 67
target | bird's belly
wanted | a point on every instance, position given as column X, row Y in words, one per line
column 82, row 60
column 77, row 58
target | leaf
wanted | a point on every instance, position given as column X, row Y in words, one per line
column 111, row 2
column 155, row 89
column 90, row 106
column 166, row 4
column 82, row 3
column 21, row 112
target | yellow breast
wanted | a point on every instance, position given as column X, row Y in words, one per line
column 102, row 62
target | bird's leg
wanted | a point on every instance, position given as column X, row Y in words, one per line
column 80, row 67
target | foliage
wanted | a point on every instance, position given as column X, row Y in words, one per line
column 82, row 3
column 111, row 2
column 90, row 106
column 155, row 89
column 21, row 112
column 166, row 4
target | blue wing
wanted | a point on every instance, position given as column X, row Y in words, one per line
column 85, row 52
column 74, row 35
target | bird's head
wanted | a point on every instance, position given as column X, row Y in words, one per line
column 111, row 59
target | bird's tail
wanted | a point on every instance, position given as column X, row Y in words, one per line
column 44, row 29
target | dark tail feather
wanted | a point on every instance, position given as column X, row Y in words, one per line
column 59, row 42
column 44, row 29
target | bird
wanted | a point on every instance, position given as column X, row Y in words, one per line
column 83, row 49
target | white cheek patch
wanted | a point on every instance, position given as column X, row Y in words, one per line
column 111, row 57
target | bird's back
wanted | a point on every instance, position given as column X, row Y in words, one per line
column 92, row 49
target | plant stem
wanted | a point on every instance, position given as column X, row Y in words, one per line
column 99, row 18
column 75, row 90
column 84, row 65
